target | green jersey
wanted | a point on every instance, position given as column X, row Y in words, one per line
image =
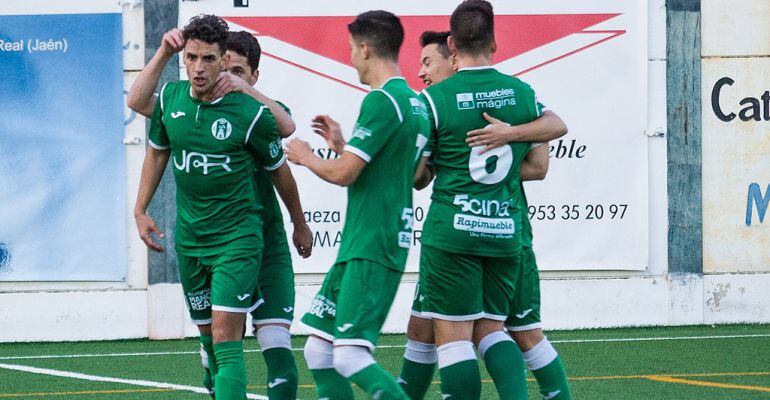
column 215, row 147
column 476, row 205
column 391, row 130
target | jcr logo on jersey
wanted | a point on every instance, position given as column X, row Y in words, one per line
column 221, row 129
column 200, row 160
column 487, row 208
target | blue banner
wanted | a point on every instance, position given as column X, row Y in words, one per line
column 62, row 163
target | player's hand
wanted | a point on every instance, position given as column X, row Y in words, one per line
column 298, row 150
column 172, row 42
column 329, row 129
column 146, row 226
column 494, row 135
column 227, row 83
column 303, row 239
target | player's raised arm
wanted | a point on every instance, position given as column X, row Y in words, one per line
column 141, row 96
column 546, row 128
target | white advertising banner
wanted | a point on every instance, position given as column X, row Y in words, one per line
column 586, row 59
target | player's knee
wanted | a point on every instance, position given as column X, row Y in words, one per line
column 528, row 339
column 349, row 360
column 484, row 327
column 273, row 337
column 492, row 339
column 420, row 330
column 319, row 353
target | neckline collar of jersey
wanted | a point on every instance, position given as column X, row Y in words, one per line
column 215, row 101
column 392, row 78
column 481, row 68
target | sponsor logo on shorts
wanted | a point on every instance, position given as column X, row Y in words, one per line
column 276, row 382
column 524, row 313
column 344, row 327
column 321, row 306
column 200, row 300
column 496, row 99
column 492, row 226
column 242, row 297
column 221, row 129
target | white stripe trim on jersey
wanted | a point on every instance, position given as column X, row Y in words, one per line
column 163, row 89
column 469, row 317
column 427, row 153
column 317, row 332
column 536, row 145
column 270, row 321
column 253, row 307
column 157, row 146
column 254, row 122
column 355, row 342
column 202, row 321
column 395, row 104
column 277, row 165
column 360, row 153
column 483, row 67
column 432, row 107
column 495, row 317
column 536, row 325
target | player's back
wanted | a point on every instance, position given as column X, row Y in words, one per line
column 476, row 196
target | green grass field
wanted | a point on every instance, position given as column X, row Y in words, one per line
column 700, row 362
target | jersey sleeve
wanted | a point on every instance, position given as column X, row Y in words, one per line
column 432, row 125
column 284, row 106
column 265, row 141
column 158, row 137
column 378, row 119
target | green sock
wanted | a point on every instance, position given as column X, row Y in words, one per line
column 416, row 378
column 331, row 385
column 230, row 379
column 506, row 367
column 378, row 383
column 552, row 380
column 208, row 376
column 461, row 381
column 281, row 373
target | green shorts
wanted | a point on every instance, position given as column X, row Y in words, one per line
column 276, row 284
column 525, row 310
column 417, row 303
column 459, row 287
column 222, row 282
column 353, row 303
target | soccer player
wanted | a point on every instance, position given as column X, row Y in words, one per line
column 216, row 144
column 471, row 239
column 378, row 167
column 524, row 319
column 272, row 319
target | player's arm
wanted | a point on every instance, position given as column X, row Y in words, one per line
column 154, row 164
column 287, row 188
column 535, row 165
column 543, row 129
column 424, row 174
column 228, row 82
column 342, row 171
column 141, row 96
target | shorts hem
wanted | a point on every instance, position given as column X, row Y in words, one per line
column 355, row 342
column 495, row 317
column 420, row 314
column 271, row 321
column 522, row 328
column 243, row 310
column 201, row 321
column 455, row 318
column 317, row 332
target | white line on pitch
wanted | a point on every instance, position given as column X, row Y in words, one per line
column 398, row 346
column 96, row 378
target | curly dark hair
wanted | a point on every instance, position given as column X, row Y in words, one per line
column 382, row 30
column 208, row 29
column 247, row 45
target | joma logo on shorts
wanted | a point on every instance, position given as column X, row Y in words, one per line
column 203, row 161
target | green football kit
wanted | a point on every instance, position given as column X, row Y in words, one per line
column 472, row 241
column 215, row 148
column 357, row 292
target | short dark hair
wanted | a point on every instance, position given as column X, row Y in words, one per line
column 247, row 45
column 472, row 25
column 208, row 29
column 380, row 29
column 437, row 38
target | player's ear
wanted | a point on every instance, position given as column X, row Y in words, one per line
column 254, row 77
column 493, row 46
column 366, row 51
column 450, row 42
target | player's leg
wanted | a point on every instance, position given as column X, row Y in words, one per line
column 196, row 285
column 366, row 294
column 319, row 350
column 525, row 327
column 234, row 274
column 420, row 357
column 501, row 355
column 272, row 321
column 452, row 287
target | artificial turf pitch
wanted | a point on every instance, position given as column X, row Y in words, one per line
column 697, row 362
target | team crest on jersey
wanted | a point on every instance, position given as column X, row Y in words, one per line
column 221, row 129
column 361, row 132
column 275, row 148
column 465, row 101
